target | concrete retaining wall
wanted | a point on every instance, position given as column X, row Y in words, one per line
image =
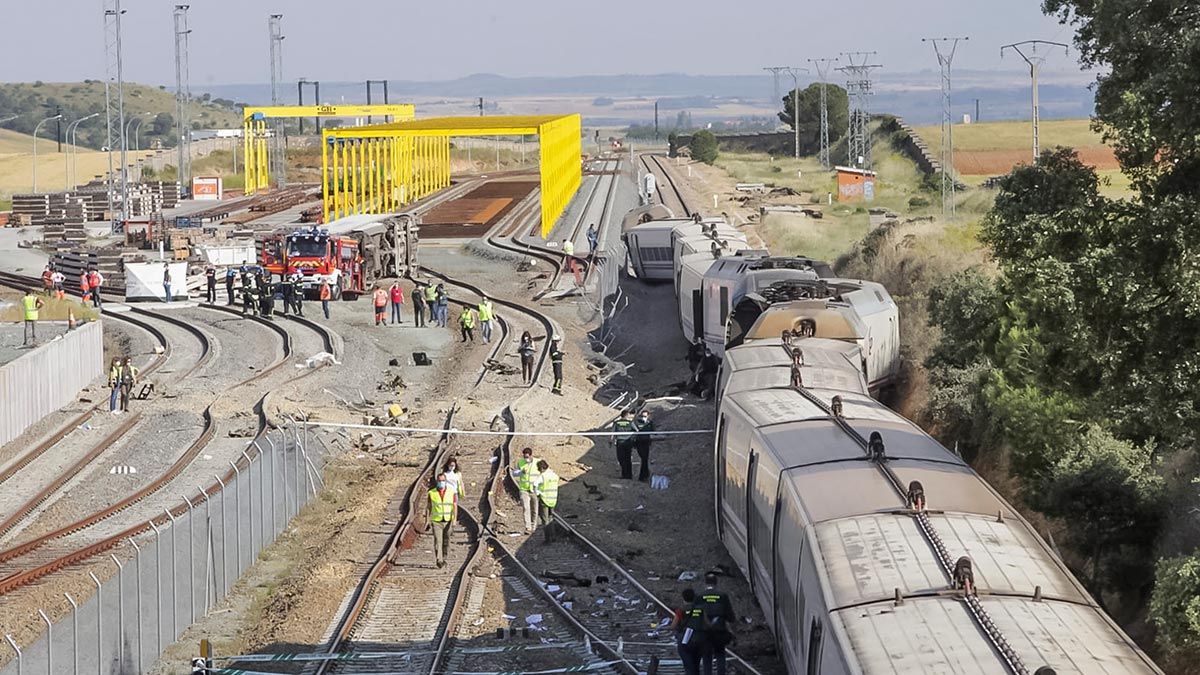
column 41, row 381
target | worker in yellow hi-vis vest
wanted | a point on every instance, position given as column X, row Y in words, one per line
column 547, row 491
column 441, row 518
column 30, row 304
column 525, row 475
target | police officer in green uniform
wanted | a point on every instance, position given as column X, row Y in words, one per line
column 622, row 426
column 716, row 623
column 556, row 362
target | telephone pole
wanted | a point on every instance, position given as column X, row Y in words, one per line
column 822, row 66
column 944, row 48
column 182, row 94
column 1028, row 50
column 858, row 87
column 278, row 159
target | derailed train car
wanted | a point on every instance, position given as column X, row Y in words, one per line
column 873, row 549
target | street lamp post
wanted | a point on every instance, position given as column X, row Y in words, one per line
column 72, row 129
column 129, row 125
column 36, row 129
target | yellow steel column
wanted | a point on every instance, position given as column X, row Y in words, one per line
column 353, row 165
column 370, row 176
column 248, row 182
column 324, row 180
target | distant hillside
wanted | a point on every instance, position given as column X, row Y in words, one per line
column 36, row 101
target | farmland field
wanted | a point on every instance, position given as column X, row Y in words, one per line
column 993, row 148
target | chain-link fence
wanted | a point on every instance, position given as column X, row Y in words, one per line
column 162, row 581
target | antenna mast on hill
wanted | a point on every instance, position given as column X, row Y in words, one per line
column 858, row 87
column 1035, row 61
column 944, row 48
column 822, row 66
column 182, row 94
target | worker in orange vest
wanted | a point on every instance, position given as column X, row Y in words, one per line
column 85, row 287
column 380, row 298
column 326, row 295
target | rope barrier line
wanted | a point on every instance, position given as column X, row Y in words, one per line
column 368, row 656
column 488, row 432
column 599, row 665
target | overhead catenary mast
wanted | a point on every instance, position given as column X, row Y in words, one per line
column 944, row 48
column 114, row 112
column 278, row 142
column 182, row 94
column 859, row 89
column 822, row 66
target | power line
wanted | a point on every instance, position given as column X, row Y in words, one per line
column 859, row 88
column 1035, row 61
column 822, row 66
column 944, row 48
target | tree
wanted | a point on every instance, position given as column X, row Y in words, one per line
column 1147, row 51
column 163, row 124
column 1175, row 603
column 810, row 114
column 704, row 146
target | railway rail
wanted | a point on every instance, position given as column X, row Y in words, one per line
column 654, row 164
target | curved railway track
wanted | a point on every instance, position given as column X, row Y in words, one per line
column 660, row 170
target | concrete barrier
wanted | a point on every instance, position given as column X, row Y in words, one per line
column 45, row 379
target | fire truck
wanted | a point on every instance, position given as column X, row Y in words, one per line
column 315, row 254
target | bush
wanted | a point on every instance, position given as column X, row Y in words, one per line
column 918, row 202
column 704, row 146
column 1175, row 604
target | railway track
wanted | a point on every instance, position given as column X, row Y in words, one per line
column 29, row 561
column 655, row 165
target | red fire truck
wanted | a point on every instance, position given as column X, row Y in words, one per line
column 315, row 254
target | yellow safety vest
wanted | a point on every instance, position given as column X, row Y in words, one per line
column 485, row 311
column 30, row 304
column 466, row 319
column 441, row 509
column 525, row 479
column 430, row 294
column 549, row 488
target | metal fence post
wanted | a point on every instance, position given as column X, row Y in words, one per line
column 174, row 577
column 296, row 464
column 191, row 560
column 272, row 444
column 13, row 643
column 262, row 492
column 157, row 588
column 237, row 515
column 224, row 562
column 74, row 633
column 120, row 609
column 99, row 624
column 283, row 456
column 250, row 498
column 49, row 643
column 138, row 594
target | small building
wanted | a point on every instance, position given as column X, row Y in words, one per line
column 855, row 185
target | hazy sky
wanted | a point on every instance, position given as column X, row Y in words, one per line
column 62, row 40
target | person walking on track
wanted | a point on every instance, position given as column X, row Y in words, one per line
column 715, row 612
column 624, row 440
column 30, row 304
column 47, row 280
column 556, row 362
column 325, row 294
column 527, row 351
column 57, row 279
column 396, row 295
column 547, row 492
column 128, row 377
column 94, row 281
column 454, row 478
column 210, row 283
column 644, row 425
column 418, row 301
column 526, row 477
column 486, row 313
column 441, row 518
column 167, row 280
column 298, row 293
column 689, row 640
column 431, row 297
column 230, row 275
column 114, row 383
column 380, row 298
column 593, row 239
column 466, row 321
column 443, row 305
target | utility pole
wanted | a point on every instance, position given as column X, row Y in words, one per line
column 1035, row 61
column 775, row 71
column 822, row 66
column 790, row 70
column 944, row 48
column 858, row 87
column 656, row 121
column 278, row 159
column 976, row 111
column 182, row 93
column 480, row 106
column 385, row 94
column 114, row 110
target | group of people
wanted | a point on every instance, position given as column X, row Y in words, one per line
column 633, row 434
column 52, row 282
column 122, row 375
column 259, row 292
column 537, row 485
column 704, row 628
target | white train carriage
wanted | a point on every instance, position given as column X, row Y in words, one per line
column 650, row 245
column 865, row 316
column 729, row 280
column 847, row 578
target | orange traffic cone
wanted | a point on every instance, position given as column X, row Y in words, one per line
column 70, row 318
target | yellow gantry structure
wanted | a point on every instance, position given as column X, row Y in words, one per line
column 380, row 168
column 255, row 130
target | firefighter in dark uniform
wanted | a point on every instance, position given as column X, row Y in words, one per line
column 622, row 426
column 249, row 301
column 285, row 289
column 556, row 361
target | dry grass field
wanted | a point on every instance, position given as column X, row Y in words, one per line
column 993, row 148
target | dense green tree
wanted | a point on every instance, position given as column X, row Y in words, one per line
column 1147, row 51
column 967, row 307
column 810, row 115
column 704, row 146
column 1175, row 604
column 163, row 124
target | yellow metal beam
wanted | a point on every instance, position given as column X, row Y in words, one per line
column 418, row 159
column 401, row 111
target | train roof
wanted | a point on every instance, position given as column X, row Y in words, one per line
column 758, row 260
column 831, row 365
column 355, row 223
column 937, row 635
